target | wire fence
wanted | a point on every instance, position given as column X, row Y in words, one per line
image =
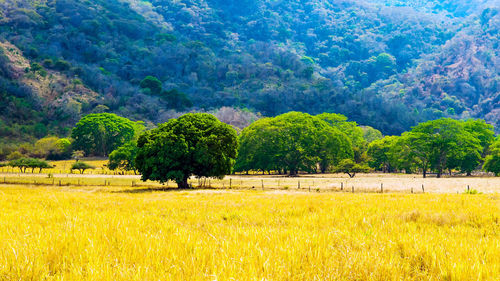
column 365, row 184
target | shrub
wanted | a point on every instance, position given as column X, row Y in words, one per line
column 81, row 167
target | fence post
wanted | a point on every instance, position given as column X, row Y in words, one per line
column 298, row 184
column 412, row 190
column 353, row 189
column 381, row 188
column 59, row 182
column 423, row 190
column 468, row 188
column 230, row 183
column 342, row 186
column 262, row 184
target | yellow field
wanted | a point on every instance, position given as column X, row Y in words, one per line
column 81, row 233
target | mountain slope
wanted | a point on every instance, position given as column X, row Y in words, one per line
column 384, row 63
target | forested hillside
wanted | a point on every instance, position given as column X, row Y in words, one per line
column 384, row 63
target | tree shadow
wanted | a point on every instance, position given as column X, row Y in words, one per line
column 160, row 189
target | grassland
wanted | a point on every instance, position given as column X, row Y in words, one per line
column 103, row 178
column 132, row 233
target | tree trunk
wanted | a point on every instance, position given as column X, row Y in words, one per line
column 183, row 184
column 425, row 173
column 469, row 173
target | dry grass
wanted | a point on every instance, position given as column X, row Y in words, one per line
column 328, row 182
column 62, row 233
column 323, row 183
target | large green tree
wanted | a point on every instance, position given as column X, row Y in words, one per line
column 194, row 144
column 290, row 143
column 443, row 144
column 101, row 133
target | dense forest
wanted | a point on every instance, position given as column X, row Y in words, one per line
column 384, row 63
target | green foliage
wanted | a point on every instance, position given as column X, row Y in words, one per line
column 472, row 192
column 29, row 163
column 482, row 131
column 291, row 142
column 101, row 133
column 371, row 134
column 194, row 144
column 152, row 84
column 351, row 129
column 81, row 166
column 444, row 144
column 492, row 161
column 52, row 148
column 123, row 158
column 351, row 168
column 380, row 153
column 177, row 100
column 77, row 155
column 15, row 155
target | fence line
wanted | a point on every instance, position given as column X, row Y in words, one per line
column 328, row 185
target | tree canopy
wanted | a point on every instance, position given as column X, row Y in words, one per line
column 100, row 133
column 438, row 145
column 351, row 168
column 290, row 143
column 351, row 129
column 195, row 144
column 29, row 163
column 492, row 161
column 81, row 166
column 123, row 158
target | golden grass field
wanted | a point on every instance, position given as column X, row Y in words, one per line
column 103, row 226
column 125, row 233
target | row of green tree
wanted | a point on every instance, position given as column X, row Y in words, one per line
column 23, row 164
column 438, row 146
column 295, row 143
column 292, row 143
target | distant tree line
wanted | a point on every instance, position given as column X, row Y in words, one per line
column 198, row 144
column 438, row 146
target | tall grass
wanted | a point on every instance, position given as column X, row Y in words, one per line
column 57, row 233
